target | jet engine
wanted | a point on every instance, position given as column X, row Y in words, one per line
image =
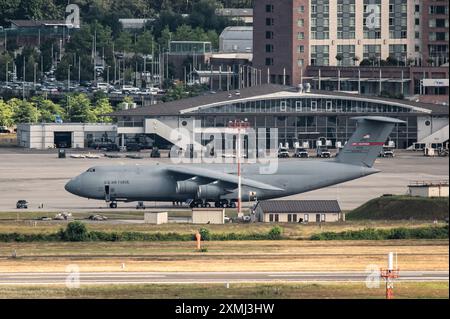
column 187, row 187
column 210, row 192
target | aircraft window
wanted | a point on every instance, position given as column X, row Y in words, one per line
column 91, row 170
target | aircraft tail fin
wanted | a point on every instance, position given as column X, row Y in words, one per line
column 367, row 142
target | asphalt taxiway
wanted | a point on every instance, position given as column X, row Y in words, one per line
column 205, row 277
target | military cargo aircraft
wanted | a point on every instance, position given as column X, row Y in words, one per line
column 200, row 185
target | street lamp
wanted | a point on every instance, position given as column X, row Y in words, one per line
column 68, row 77
column 239, row 125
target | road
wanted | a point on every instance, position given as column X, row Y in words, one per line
column 104, row 278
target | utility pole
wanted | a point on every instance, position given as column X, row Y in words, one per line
column 6, row 73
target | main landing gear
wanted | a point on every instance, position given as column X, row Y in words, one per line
column 113, row 205
column 219, row 204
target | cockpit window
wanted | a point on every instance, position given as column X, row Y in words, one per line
column 91, row 170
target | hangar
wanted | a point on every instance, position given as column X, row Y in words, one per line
column 300, row 117
column 64, row 135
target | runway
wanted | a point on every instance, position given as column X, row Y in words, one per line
column 107, row 278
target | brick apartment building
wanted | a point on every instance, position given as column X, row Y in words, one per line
column 290, row 35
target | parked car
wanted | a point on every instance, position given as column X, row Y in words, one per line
column 322, row 151
column 98, row 217
column 134, row 147
column 387, row 152
column 22, row 204
column 140, row 205
column 301, row 153
column 283, row 152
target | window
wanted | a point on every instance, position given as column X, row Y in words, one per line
column 301, row 22
column 270, row 217
column 301, row 36
column 277, row 219
column 283, row 106
column 329, row 106
column 269, row 21
column 313, row 106
column 322, row 217
column 301, row 9
column 300, row 62
column 269, row 8
column 269, row 48
column 300, row 48
column 306, row 218
column 289, row 218
column 298, row 106
column 294, row 218
column 269, row 35
column 313, row 8
column 269, row 61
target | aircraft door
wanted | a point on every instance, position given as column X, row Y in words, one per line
column 107, row 193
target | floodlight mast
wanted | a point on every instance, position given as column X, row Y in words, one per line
column 239, row 125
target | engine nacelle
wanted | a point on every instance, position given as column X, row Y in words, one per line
column 187, row 187
column 210, row 192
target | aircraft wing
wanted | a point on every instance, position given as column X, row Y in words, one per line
column 219, row 176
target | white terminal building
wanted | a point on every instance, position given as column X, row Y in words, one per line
column 300, row 117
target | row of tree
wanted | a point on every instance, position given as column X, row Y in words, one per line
column 77, row 108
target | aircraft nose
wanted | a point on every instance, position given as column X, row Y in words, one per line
column 73, row 186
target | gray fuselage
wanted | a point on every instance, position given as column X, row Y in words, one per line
column 157, row 183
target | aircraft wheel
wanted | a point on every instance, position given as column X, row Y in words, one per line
column 233, row 205
column 208, row 205
column 113, row 205
column 192, row 205
column 217, row 204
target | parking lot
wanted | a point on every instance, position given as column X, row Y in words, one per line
column 39, row 177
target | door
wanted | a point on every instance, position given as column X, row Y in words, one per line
column 107, row 193
column 317, row 218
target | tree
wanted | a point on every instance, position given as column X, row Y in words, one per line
column 101, row 108
column 76, row 231
column 4, row 59
column 123, row 42
column 78, row 108
column 26, row 113
column 48, row 110
column 145, row 43
column 6, row 114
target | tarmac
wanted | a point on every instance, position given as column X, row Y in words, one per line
column 39, row 177
column 104, row 278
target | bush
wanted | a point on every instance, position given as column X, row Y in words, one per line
column 76, row 231
column 386, row 234
column 205, row 234
column 275, row 233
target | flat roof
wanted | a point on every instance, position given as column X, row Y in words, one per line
column 269, row 91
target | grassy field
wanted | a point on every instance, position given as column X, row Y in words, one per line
column 235, row 291
column 287, row 255
column 292, row 231
column 401, row 208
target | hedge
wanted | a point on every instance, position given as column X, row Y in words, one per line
column 77, row 232
column 386, row 234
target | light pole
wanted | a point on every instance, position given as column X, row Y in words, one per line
column 34, row 76
column 107, row 75
column 6, row 73
column 68, row 78
column 239, row 125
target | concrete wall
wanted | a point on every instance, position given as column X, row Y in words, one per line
column 156, row 218
column 208, row 216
